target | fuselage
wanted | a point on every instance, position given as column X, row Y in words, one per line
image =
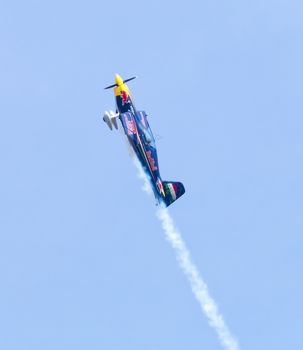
column 139, row 135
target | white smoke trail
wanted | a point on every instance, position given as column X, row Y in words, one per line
column 198, row 286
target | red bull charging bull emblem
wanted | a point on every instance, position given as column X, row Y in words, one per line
column 124, row 97
column 130, row 125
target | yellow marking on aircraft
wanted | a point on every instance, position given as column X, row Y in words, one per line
column 120, row 86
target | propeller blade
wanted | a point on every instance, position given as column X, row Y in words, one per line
column 129, row 79
column 115, row 85
column 111, row 86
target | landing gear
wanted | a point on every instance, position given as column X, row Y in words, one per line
column 110, row 118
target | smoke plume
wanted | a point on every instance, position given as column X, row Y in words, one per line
column 198, row 286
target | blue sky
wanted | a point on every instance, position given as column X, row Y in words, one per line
column 83, row 260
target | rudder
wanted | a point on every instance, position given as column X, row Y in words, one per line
column 173, row 191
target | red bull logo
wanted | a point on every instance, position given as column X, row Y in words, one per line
column 151, row 161
column 130, row 125
column 124, row 97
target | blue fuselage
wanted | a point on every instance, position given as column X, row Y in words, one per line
column 141, row 139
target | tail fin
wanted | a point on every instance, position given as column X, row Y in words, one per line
column 173, row 190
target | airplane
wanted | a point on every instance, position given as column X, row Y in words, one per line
column 141, row 140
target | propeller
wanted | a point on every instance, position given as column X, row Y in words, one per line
column 129, row 79
column 111, row 86
column 116, row 85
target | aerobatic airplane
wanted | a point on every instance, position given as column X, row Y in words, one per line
column 141, row 140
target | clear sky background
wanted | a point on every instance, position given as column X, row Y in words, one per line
column 83, row 260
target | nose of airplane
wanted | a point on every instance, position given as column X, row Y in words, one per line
column 119, row 80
